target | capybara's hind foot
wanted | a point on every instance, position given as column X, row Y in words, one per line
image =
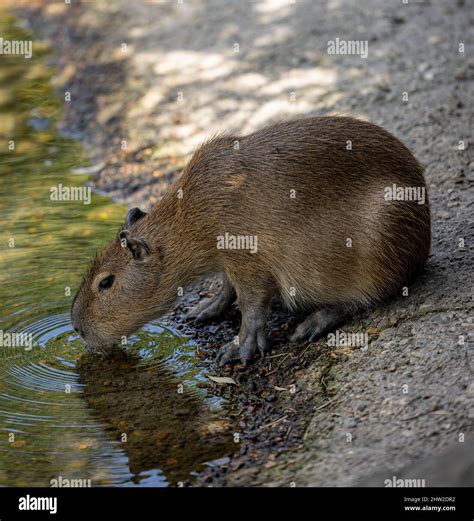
column 214, row 306
column 318, row 324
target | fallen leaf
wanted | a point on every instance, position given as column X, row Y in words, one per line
column 222, row 379
column 18, row 443
column 162, row 436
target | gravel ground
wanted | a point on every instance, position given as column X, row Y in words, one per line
column 192, row 69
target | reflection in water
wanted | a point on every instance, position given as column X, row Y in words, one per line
column 164, row 425
column 59, row 417
column 68, row 410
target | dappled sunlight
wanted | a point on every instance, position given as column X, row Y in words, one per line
column 200, row 68
column 270, row 11
column 274, row 110
column 196, row 90
column 273, row 36
column 297, row 79
column 188, row 63
column 232, row 100
column 194, row 69
column 334, row 5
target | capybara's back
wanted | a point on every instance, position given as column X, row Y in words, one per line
column 337, row 206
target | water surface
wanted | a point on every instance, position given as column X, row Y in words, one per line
column 137, row 417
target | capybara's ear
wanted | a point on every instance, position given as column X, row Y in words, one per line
column 133, row 215
column 139, row 248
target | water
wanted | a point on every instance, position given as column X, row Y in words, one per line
column 139, row 417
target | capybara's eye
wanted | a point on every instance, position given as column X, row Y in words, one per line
column 107, row 282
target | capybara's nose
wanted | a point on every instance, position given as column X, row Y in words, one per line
column 77, row 329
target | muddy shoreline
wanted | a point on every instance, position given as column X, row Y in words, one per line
column 301, row 437
column 269, row 406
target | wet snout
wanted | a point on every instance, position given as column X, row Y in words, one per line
column 78, row 329
column 76, row 323
column 93, row 343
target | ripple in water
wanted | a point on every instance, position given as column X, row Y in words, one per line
column 136, row 417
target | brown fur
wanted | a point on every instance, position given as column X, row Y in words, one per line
column 302, row 241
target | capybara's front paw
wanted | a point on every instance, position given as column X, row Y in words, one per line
column 243, row 348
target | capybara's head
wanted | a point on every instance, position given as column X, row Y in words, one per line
column 119, row 291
